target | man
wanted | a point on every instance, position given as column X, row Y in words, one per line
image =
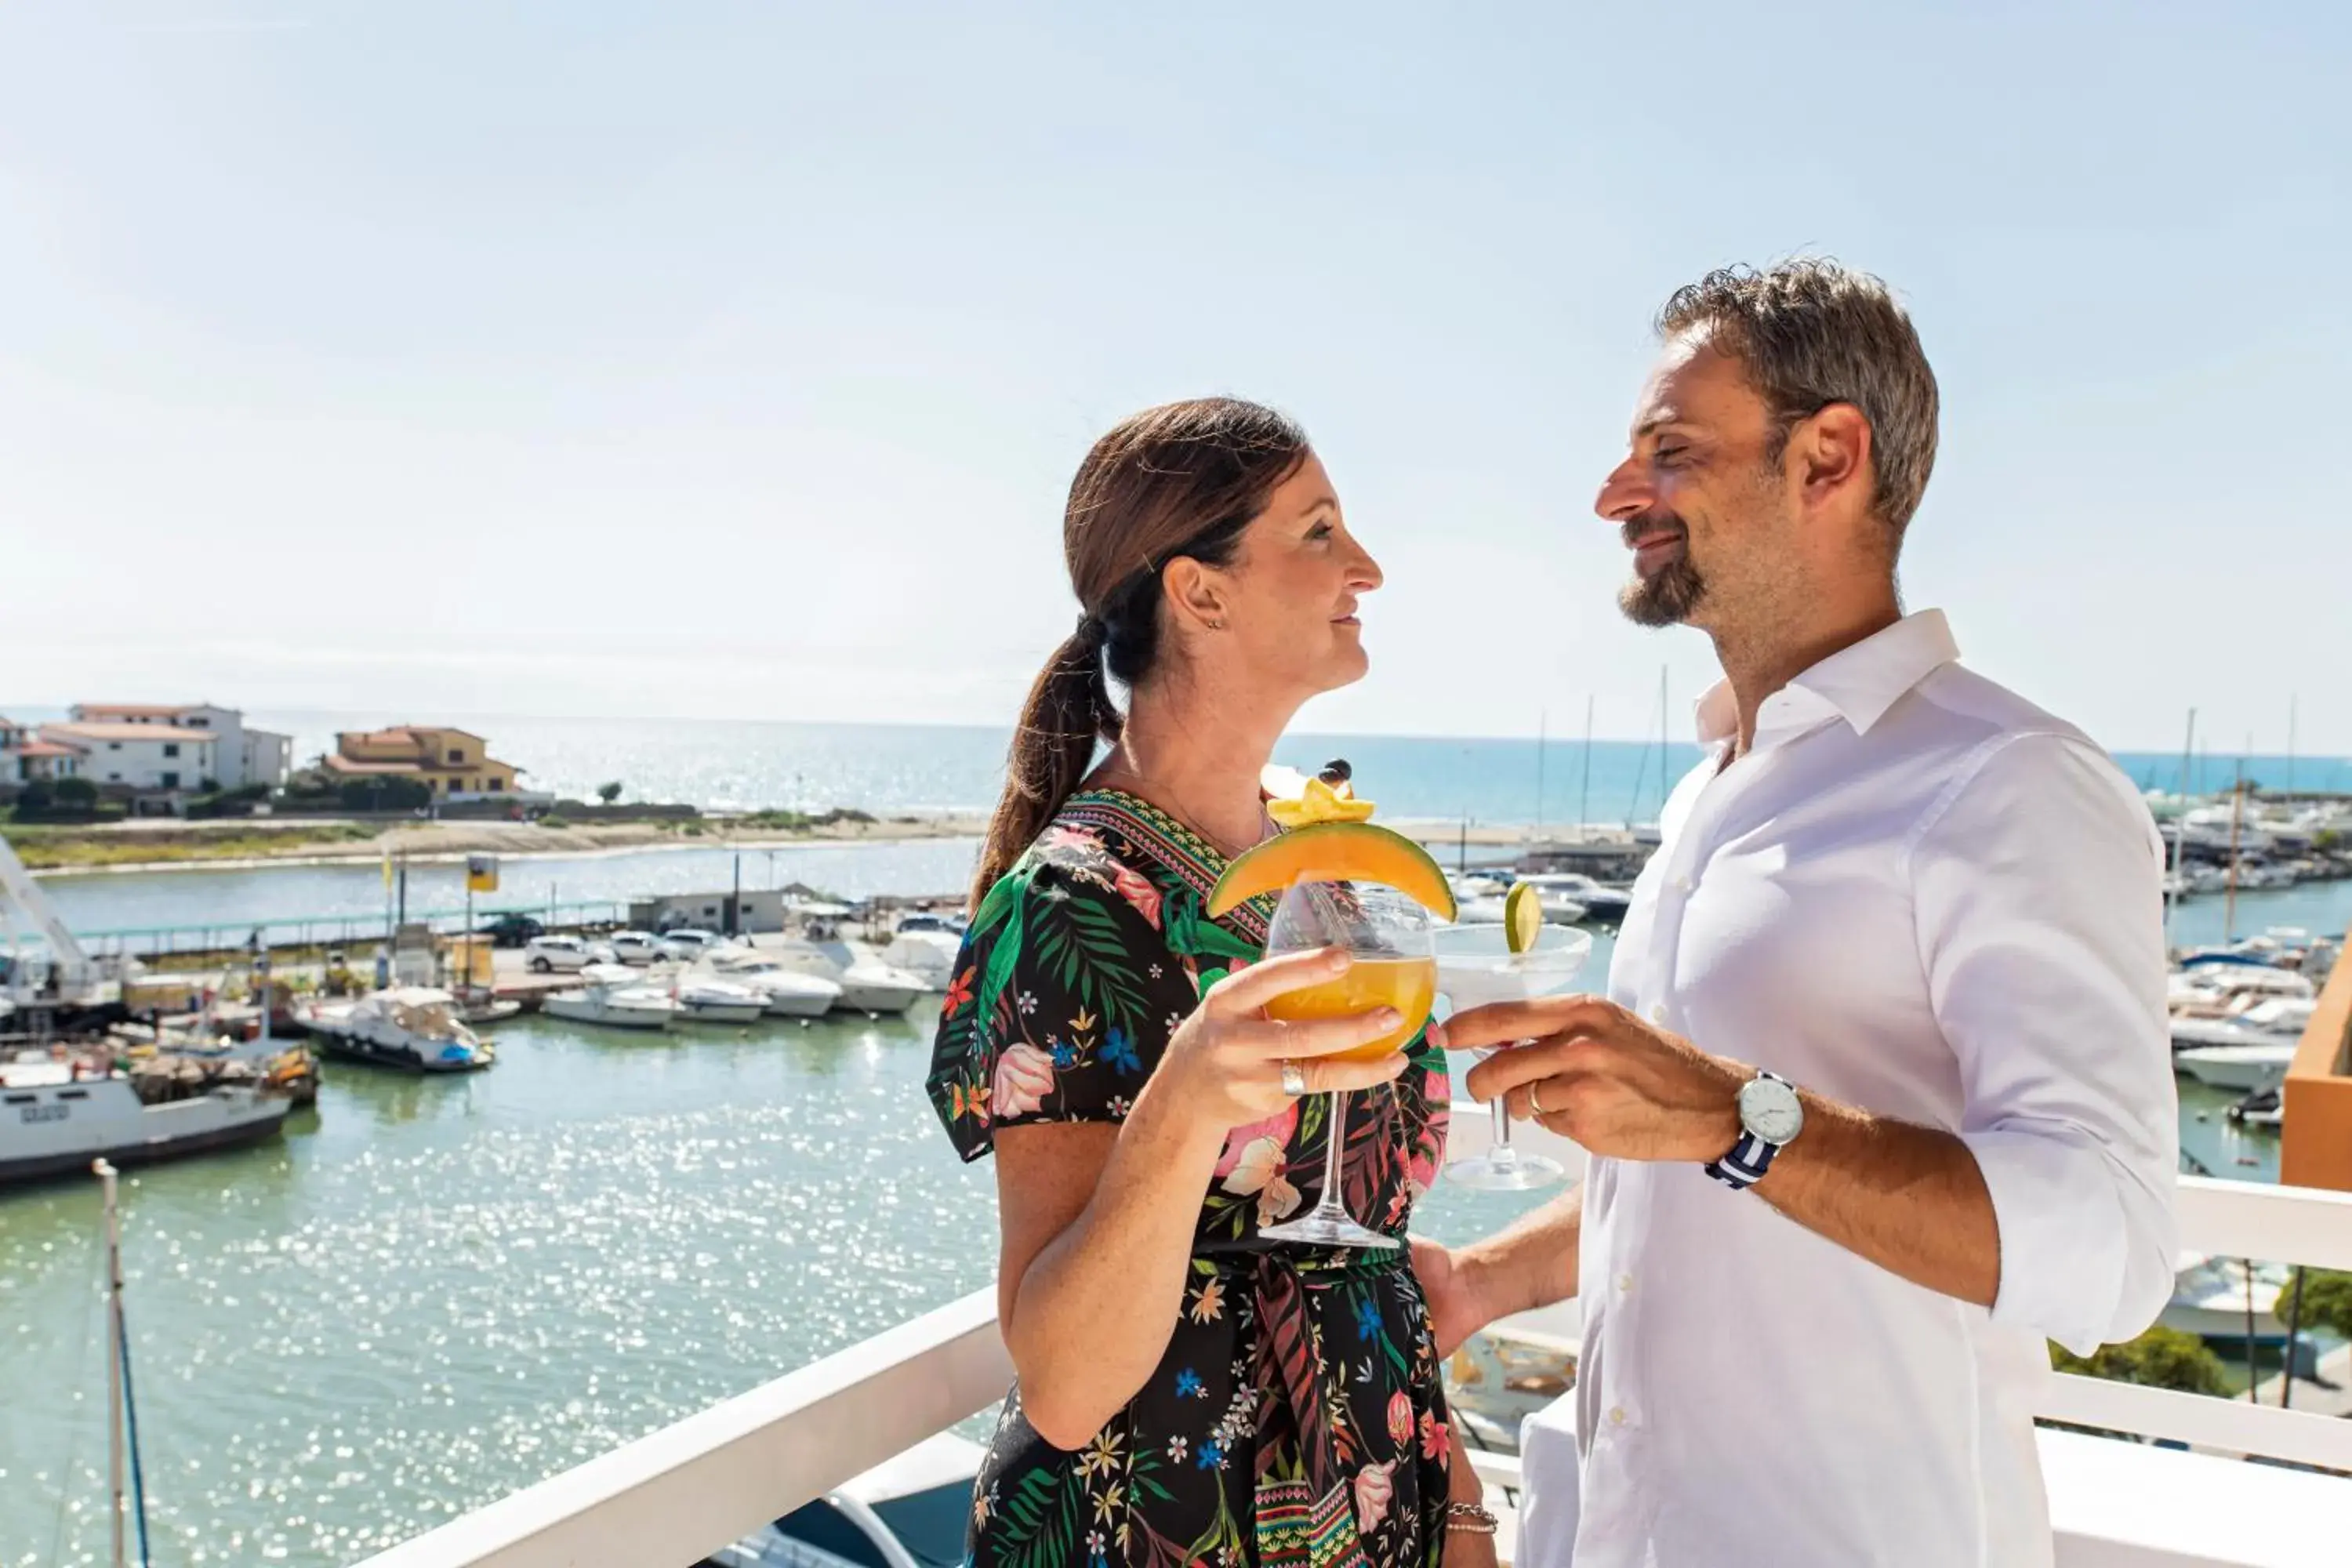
column 1881, row 1096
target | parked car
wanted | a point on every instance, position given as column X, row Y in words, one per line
column 687, row 943
column 549, row 954
column 634, row 946
column 512, row 929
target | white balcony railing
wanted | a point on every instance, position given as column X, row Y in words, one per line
column 678, row 1494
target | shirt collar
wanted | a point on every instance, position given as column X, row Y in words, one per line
column 1858, row 683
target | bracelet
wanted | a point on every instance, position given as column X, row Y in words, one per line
column 1470, row 1519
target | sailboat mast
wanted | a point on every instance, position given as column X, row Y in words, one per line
column 1543, row 734
column 116, row 1457
column 2179, row 832
column 2237, row 816
column 1584, row 797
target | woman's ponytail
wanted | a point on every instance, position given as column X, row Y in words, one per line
column 1069, row 711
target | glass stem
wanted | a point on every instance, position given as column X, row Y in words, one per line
column 1503, row 1154
column 1335, row 1121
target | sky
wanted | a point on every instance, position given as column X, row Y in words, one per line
column 731, row 361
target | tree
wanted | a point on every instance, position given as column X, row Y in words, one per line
column 75, row 794
column 2327, row 1301
column 2160, row 1358
column 35, row 798
column 609, row 793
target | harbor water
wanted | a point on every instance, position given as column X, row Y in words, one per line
column 431, row 1292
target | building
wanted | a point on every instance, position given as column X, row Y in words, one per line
column 240, row 755
column 758, row 910
column 455, row 765
column 26, row 758
column 141, row 756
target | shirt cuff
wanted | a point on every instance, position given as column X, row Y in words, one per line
column 2063, row 1235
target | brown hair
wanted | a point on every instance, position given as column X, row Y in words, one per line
column 1810, row 332
column 1183, row 479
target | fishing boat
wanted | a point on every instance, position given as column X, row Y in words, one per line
column 414, row 1027
column 55, row 1117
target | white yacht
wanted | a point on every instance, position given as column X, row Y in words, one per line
column 1589, row 895
column 2210, row 1297
column 55, row 1123
column 866, row 986
column 616, row 998
column 2246, row 1068
column 2282, row 1018
column 416, row 1027
column 929, row 955
column 787, row 993
column 705, row 999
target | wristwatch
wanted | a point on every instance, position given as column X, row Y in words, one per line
column 1770, row 1116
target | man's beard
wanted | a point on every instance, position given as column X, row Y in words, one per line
column 1667, row 596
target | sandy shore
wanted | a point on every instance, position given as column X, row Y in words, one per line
column 243, row 844
column 431, row 842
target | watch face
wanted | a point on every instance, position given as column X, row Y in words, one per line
column 1770, row 1110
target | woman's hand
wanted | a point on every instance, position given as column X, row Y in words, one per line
column 1223, row 1064
column 1465, row 1547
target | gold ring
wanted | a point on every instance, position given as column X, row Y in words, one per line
column 1533, row 1103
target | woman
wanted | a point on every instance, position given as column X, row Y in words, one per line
column 1188, row 1393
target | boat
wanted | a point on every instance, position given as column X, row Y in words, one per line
column 622, row 1001
column 705, row 999
column 910, row 1512
column 2282, row 1018
column 57, row 1118
column 2245, row 1068
column 416, row 1027
column 866, row 986
column 2263, row 1107
column 2209, row 1297
column 928, row 954
column 1592, row 898
column 788, row 993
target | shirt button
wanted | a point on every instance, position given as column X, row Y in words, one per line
column 1624, row 1282
column 1617, row 1416
column 1681, row 884
column 1657, row 1012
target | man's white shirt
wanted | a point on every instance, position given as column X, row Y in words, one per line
column 1922, row 896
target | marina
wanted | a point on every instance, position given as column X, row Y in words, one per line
column 429, row 1291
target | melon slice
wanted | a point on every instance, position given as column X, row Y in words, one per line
column 1334, row 852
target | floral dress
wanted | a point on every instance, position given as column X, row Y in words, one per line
column 1297, row 1417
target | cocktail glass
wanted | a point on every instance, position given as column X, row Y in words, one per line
column 1476, row 967
column 1388, row 935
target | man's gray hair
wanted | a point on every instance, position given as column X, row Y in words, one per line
column 1810, row 332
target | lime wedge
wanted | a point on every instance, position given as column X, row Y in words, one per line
column 1523, row 917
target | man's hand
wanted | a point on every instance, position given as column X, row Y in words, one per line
column 1455, row 1311
column 1599, row 1075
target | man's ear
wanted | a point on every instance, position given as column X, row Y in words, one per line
column 1831, row 454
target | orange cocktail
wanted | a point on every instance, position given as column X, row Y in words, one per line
column 1407, row 984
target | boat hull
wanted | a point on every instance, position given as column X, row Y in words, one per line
column 370, row 1053
column 263, row 1119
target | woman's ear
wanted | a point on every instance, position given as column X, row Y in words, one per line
column 1196, row 593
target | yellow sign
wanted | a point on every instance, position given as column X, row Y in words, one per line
column 481, row 873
